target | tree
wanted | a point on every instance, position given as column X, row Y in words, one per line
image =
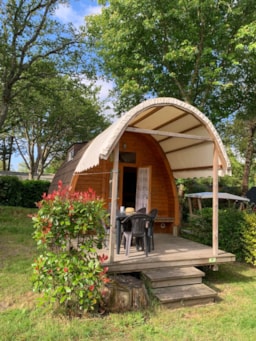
column 168, row 48
column 202, row 52
column 239, row 136
column 29, row 34
column 57, row 112
column 242, row 129
column 6, row 149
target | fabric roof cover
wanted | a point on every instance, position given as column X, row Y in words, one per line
column 209, row 195
column 186, row 136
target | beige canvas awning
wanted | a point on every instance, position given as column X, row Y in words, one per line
column 186, row 136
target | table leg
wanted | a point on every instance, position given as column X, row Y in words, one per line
column 118, row 235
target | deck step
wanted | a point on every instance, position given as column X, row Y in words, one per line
column 185, row 295
column 178, row 287
column 173, row 276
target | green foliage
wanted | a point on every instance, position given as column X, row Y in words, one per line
column 10, row 191
column 179, row 49
column 249, row 238
column 30, row 33
column 200, row 226
column 15, row 192
column 202, row 52
column 40, row 135
column 32, row 191
column 231, row 226
column 69, row 230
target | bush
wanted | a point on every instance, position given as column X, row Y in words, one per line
column 200, row 227
column 32, row 191
column 231, row 226
column 249, row 238
column 15, row 192
column 69, row 229
column 10, row 191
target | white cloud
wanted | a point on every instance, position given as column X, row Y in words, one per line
column 104, row 93
column 106, row 87
column 66, row 14
column 93, row 10
column 75, row 12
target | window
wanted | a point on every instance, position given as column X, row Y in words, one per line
column 71, row 154
column 127, row 157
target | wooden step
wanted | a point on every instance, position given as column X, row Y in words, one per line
column 173, row 276
column 185, row 295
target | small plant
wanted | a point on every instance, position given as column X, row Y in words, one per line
column 68, row 228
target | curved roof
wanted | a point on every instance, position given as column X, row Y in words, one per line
column 67, row 169
column 185, row 134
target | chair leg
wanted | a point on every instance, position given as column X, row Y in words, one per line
column 153, row 244
column 128, row 239
column 146, row 244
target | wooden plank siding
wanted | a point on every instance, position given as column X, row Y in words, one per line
column 163, row 195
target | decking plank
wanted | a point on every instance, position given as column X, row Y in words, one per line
column 170, row 251
column 186, row 292
column 173, row 273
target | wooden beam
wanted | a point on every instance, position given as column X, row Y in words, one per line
column 215, row 204
column 199, row 202
column 190, row 206
column 113, row 204
column 167, row 133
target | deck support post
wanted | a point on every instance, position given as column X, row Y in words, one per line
column 215, row 204
column 113, row 204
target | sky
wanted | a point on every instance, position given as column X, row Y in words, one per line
column 75, row 12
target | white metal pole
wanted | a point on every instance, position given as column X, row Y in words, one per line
column 215, row 203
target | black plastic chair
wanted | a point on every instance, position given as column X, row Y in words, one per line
column 139, row 225
column 153, row 214
column 142, row 210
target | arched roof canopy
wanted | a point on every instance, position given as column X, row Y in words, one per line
column 186, row 136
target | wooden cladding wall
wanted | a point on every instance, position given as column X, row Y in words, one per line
column 148, row 154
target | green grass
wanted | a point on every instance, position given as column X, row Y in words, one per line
column 232, row 318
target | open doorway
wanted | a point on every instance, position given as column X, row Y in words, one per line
column 129, row 186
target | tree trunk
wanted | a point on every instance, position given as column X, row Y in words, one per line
column 3, row 113
column 248, row 158
column 124, row 293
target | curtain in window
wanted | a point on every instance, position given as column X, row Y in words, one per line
column 142, row 188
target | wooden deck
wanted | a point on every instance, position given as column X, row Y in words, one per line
column 169, row 251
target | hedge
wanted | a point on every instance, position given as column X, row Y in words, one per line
column 23, row 193
column 232, row 225
column 249, row 238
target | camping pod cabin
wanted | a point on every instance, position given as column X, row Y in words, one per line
column 142, row 153
column 145, row 178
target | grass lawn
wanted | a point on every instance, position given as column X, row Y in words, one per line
column 231, row 318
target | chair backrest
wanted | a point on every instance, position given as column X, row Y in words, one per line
column 139, row 222
column 153, row 213
column 142, row 210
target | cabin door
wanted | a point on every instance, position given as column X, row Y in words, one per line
column 143, row 188
column 129, row 186
column 136, row 187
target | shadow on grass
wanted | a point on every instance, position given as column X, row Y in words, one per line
column 232, row 273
